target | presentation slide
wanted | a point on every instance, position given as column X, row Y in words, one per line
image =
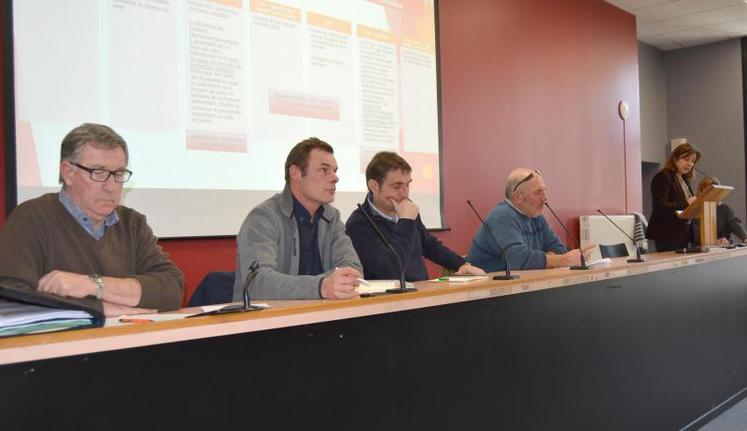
column 211, row 95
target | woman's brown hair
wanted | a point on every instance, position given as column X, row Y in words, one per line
column 681, row 151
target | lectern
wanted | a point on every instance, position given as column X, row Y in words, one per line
column 704, row 209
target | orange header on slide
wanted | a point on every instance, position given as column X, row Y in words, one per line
column 375, row 34
column 420, row 45
column 329, row 23
column 232, row 3
column 276, row 10
column 414, row 7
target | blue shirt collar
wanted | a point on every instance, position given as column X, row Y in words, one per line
column 302, row 214
column 80, row 216
column 393, row 219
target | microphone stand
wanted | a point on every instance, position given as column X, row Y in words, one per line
column 508, row 275
column 583, row 260
column 238, row 308
column 638, row 257
column 714, row 180
column 402, row 282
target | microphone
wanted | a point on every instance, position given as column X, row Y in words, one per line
column 714, row 180
column 638, row 257
column 508, row 275
column 402, row 283
column 583, row 259
column 253, row 269
column 239, row 308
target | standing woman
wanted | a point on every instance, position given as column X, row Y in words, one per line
column 671, row 191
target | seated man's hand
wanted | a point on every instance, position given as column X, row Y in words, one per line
column 573, row 257
column 113, row 310
column 722, row 242
column 341, row 284
column 406, row 208
column 570, row 258
column 587, row 250
column 468, row 269
column 62, row 283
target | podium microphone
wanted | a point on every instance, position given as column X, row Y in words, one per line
column 402, row 283
column 508, row 275
column 583, row 259
column 638, row 257
column 714, row 180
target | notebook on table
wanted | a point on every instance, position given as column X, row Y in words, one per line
column 27, row 311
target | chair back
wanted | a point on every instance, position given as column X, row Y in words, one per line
column 613, row 250
column 215, row 288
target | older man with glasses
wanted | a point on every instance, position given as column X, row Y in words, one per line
column 81, row 244
column 520, row 228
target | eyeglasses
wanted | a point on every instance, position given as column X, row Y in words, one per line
column 102, row 175
column 528, row 177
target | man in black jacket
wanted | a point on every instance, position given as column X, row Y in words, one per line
column 389, row 205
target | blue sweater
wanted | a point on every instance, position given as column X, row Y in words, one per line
column 525, row 239
column 408, row 237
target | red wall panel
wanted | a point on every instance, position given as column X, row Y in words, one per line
column 524, row 83
column 197, row 257
column 536, row 84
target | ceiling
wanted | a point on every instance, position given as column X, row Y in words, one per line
column 673, row 24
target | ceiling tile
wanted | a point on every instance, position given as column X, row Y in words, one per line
column 695, row 6
column 657, row 13
column 733, row 28
column 645, row 30
column 662, row 43
column 719, row 16
column 697, row 36
column 698, row 42
column 622, row 4
column 654, row 40
column 639, row 4
column 668, row 45
column 633, row 5
column 673, row 25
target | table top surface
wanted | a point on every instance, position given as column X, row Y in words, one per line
column 300, row 312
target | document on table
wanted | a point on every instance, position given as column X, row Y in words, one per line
column 378, row 286
column 164, row 317
column 460, row 278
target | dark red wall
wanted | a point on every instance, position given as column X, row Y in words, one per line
column 524, row 83
column 536, row 83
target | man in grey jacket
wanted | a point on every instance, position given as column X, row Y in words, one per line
column 297, row 237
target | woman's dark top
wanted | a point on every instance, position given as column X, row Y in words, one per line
column 668, row 197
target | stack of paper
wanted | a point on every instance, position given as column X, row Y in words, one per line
column 19, row 318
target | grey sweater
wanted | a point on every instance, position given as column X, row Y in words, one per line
column 269, row 235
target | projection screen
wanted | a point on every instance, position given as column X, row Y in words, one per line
column 210, row 96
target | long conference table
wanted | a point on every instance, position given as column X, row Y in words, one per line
column 658, row 345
